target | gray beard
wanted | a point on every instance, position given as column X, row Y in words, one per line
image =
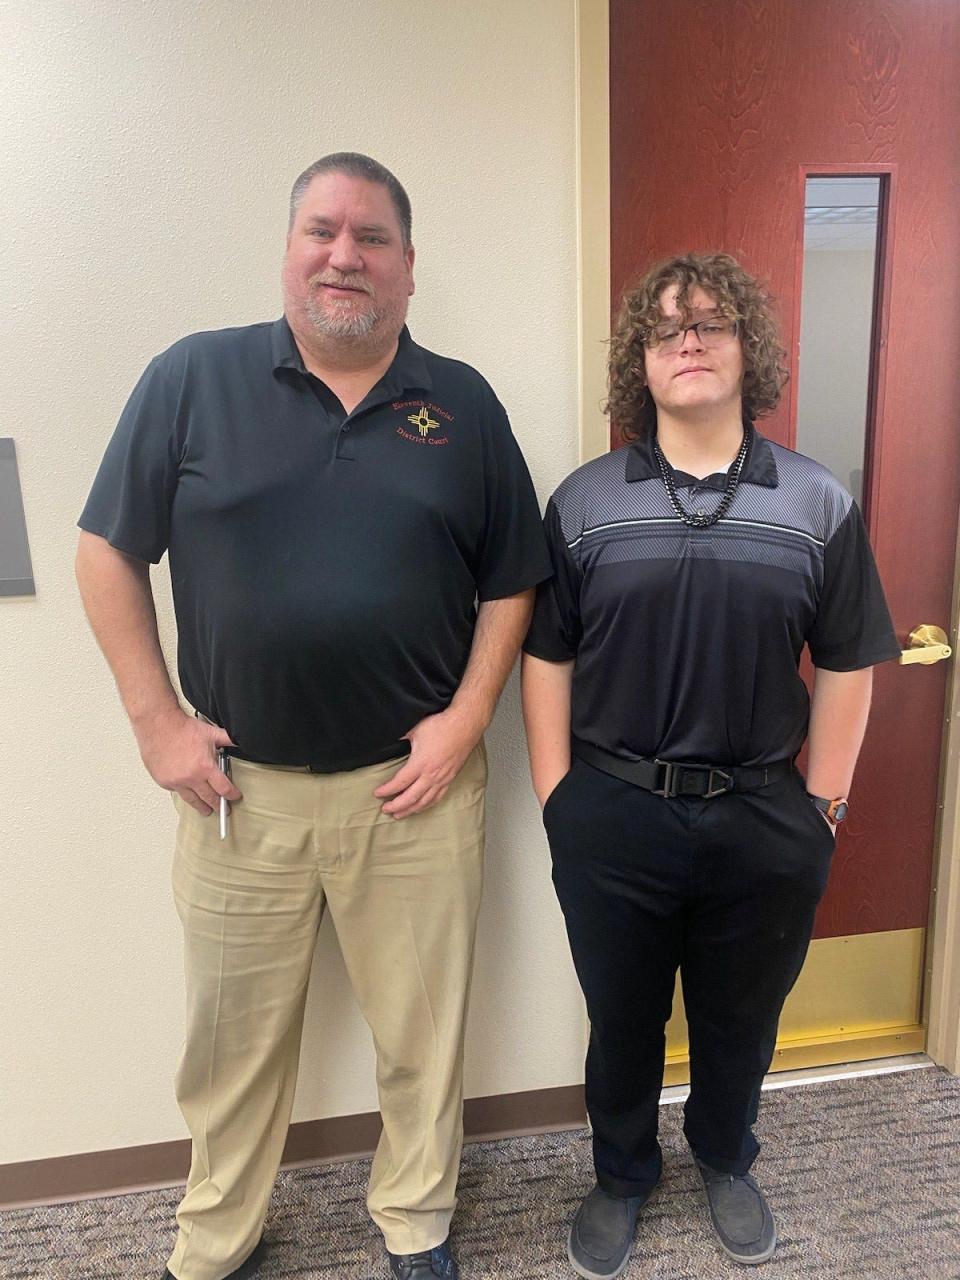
column 346, row 325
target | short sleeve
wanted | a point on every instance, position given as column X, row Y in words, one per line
column 555, row 630
column 853, row 628
column 133, row 491
column 513, row 554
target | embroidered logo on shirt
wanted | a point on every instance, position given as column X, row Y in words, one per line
column 423, row 422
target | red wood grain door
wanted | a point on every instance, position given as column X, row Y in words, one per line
column 720, row 109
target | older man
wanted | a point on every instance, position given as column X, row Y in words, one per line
column 353, row 542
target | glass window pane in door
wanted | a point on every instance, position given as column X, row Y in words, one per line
column 836, row 323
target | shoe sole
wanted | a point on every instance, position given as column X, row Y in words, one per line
column 581, row 1270
column 748, row 1260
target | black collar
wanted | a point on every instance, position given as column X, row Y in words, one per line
column 407, row 372
column 759, row 468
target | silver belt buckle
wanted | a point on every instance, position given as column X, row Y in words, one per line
column 669, row 770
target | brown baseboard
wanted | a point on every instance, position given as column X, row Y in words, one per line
column 129, row 1169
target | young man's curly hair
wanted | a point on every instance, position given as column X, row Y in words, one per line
column 738, row 296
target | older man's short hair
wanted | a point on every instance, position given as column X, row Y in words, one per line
column 355, row 165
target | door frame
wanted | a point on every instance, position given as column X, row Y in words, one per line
column 593, row 221
column 941, row 987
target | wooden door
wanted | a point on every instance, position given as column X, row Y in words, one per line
column 720, row 110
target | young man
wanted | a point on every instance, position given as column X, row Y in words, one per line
column 334, row 500
column 664, row 711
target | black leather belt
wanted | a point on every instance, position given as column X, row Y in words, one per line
column 673, row 778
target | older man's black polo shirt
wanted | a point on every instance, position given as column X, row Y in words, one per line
column 325, row 567
column 687, row 641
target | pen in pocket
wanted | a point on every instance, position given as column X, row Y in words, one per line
column 223, row 761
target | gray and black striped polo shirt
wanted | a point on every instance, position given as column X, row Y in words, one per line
column 687, row 641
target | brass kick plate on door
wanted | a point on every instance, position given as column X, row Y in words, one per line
column 928, row 644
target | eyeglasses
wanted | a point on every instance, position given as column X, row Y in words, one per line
column 668, row 336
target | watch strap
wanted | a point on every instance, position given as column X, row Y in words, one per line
column 835, row 810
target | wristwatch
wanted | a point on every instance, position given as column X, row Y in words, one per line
column 835, row 810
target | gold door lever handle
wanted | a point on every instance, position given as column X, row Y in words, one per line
column 928, row 644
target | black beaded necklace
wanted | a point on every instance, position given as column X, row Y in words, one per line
column 701, row 519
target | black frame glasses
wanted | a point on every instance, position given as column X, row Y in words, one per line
column 712, row 331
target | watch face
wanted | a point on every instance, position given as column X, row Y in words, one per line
column 838, row 810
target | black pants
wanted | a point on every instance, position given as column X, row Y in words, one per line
column 724, row 889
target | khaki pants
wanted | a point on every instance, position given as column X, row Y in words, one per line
column 404, row 897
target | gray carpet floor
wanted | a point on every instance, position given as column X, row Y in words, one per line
column 863, row 1176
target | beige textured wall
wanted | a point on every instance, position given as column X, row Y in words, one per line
column 149, row 151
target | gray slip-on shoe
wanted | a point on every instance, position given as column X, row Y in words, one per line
column 740, row 1215
column 601, row 1234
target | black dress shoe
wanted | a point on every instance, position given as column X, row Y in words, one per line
column 424, row 1266
column 248, row 1268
